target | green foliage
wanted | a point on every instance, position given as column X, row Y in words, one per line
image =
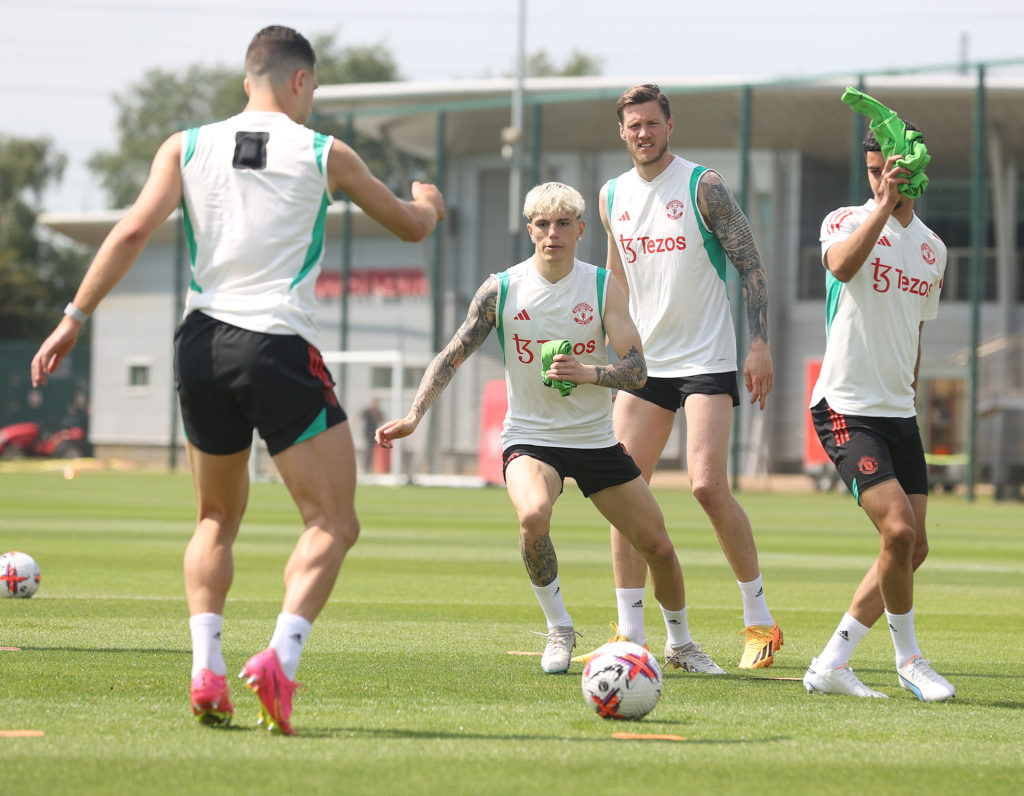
column 578, row 64
column 37, row 276
column 409, row 684
column 164, row 102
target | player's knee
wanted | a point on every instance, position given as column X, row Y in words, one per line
column 534, row 521
column 348, row 534
column 899, row 539
column 657, row 547
column 709, row 493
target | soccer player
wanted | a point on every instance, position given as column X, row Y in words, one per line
column 550, row 433
column 671, row 225
column 254, row 189
column 885, row 272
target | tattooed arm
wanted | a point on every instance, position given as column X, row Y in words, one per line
column 725, row 219
column 630, row 371
column 474, row 330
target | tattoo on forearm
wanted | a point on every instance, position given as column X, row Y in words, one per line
column 629, row 372
column 732, row 229
column 540, row 559
column 474, row 330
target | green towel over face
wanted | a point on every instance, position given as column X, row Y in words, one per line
column 894, row 138
column 547, row 355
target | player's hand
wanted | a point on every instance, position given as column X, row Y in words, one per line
column 565, row 367
column 425, row 192
column 892, row 178
column 758, row 373
column 395, row 429
column 57, row 346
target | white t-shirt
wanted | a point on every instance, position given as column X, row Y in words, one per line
column 676, row 271
column 531, row 310
column 256, row 196
column 873, row 321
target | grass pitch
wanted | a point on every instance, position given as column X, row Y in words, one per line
column 410, row 687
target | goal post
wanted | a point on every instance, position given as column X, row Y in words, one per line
column 394, row 359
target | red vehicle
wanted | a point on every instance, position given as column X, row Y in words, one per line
column 28, row 439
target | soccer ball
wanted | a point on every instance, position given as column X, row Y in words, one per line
column 622, row 681
column 19, row 574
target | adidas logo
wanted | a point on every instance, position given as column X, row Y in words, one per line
column 522, row 316
column 884, row 241
column 637, row 604
column 843, row 634
column 624, row 216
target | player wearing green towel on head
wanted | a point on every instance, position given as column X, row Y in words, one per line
column 549, row 435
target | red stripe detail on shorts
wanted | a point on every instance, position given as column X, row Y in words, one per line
column 319, row 369
column 839, row 430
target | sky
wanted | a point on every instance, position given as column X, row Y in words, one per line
column 63, row 62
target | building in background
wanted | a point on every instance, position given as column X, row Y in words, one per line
column 791, row 153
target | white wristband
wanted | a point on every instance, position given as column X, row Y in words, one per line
column 75, row 313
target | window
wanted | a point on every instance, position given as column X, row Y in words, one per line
column 138, row 375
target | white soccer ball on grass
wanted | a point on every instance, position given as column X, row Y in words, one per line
column 622, row 681
column 19, row 574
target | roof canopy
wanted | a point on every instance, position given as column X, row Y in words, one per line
column 579, row 113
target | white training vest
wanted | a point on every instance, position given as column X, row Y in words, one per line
column 872, row 321
column 530, row 312
column 676, row 271
column 255, row 199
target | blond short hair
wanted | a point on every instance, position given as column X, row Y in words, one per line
column 553, row 197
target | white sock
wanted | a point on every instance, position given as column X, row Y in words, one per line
column 844, row 641
column 677, row 627
column 631, row 614
column 290, row 634
column 901, row 627
column 755, row 607
column 206, row 650
column 550, row 599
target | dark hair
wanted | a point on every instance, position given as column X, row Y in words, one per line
column 277, row 47
column 647, row 92
column 870, row 143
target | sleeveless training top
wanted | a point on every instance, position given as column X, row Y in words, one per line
column 255, row 197
column 530, row 312
column 676, row 271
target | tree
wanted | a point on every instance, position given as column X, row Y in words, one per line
column 577, row 65
column 37, row 276
column 165, row 101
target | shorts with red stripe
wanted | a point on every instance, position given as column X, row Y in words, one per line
column 231, row 381
column 869, row 450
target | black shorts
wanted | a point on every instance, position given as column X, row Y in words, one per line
column 593, row 469
column 231, row 380
column 671, row 393
column 869, row 450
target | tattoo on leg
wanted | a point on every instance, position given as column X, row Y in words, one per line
column 540, row 559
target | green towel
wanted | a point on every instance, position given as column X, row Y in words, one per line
column 894, row 138
column 547, row 355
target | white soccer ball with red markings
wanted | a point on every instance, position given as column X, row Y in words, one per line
column 622, row 681
column 19, row 575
